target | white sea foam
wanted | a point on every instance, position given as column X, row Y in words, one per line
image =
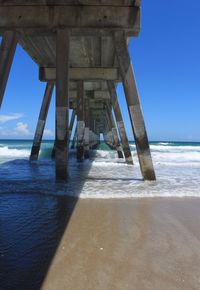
column 14, row 153
column 164, row 143
column 173, row 157
column 177, row 170
column 126, row 182
column 106, row 176
column 171, row 148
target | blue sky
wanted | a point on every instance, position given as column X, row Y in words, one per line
column 166, row 60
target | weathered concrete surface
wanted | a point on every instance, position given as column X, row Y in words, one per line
column 74, row 139
column 7, row 51
column 62, row 104
column 41, row 121
column 80, row 122
column 134, row 107
column 120, row 123
column 87, row 124
column 116, row 142
column 74, row 16
column 78, row 73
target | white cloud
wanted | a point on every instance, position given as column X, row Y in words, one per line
column 48, row 133
column 10, row 117
column 21, row 129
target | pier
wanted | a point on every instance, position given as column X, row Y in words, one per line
column 81, row 48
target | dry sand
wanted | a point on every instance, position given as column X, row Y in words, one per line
column 129, row 244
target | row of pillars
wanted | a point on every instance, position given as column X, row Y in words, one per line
column 86, row 137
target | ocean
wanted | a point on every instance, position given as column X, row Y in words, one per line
column 35, row 211
column 177, row 166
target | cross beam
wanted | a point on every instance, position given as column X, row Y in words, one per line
column 79, row 73
column 74, row 16
column 70, row 2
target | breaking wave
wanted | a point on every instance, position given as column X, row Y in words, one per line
column 14, row 153
column 177, row 168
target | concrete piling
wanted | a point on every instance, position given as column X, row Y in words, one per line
column 87, row 123
column 74, row 139
column 97, row 33
column 120, row 123
column 7, row 52
column 116, row 142
column 41, row 122
column 62, row 103
column 80, row 121
column 135, row 112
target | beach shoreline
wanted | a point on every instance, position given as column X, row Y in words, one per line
column 148, row 243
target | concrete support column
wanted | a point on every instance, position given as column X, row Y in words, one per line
column 70, row 132
column 92, row 140
column 7, row 51
column 109, row 138
column 41, row 122
column 135, row 112
column 96, row 140
column 62, row 103
column 74, row 138
column 87, row 123
column 80, row 121
column 71, row 125
column 120, row 123
column 114, row 132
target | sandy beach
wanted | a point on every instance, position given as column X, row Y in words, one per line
column 129, row 244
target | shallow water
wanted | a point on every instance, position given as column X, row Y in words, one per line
column 177, row 167
column 35, row 211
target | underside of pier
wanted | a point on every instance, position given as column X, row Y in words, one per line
column 81, row 48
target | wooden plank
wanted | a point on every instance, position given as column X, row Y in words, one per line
column 70, row 2
column 135, row 112
column 7, row 51
column 41, row 122
column 51, row 17
column 120, row 123
column 62, row 104
column 86, row 73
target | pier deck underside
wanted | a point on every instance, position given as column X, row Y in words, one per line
column 81, row 47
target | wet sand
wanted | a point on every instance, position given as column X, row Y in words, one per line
column 129, row 244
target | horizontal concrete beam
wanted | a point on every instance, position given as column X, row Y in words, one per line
column 70, row 2
column 90, row 85
column 49, row 74
column 95, row 106
column 52, row 17
column 98, row 95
